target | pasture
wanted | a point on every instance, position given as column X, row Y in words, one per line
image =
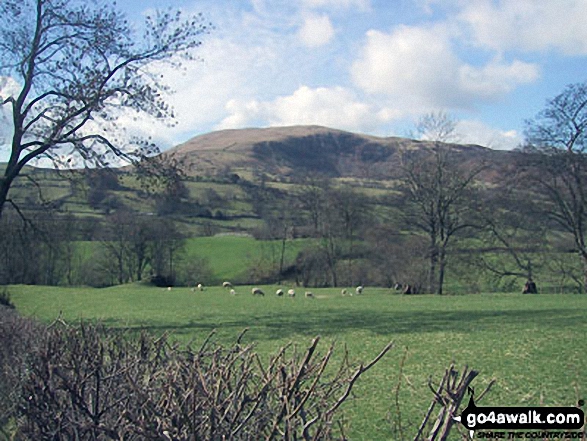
column 533, row 345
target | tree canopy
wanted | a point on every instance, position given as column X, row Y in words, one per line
column 70, row 69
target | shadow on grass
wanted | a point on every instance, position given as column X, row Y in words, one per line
column 326, row 322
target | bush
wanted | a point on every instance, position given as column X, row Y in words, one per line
column 18, row 338
column 89, row 382
column 5, row 298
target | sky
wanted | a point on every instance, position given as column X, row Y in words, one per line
column 373, row 66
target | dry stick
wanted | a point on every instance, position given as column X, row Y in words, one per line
column 489, row 386
column 233, row 396
column 430, row 409
column 268, row 379
column 287, row 396
column 466, row 379
column 318, row 376
column 237, row 395
column 397, row 390
column 442, row 401
column 356, row 375
column 201, row 351
column 241, row 335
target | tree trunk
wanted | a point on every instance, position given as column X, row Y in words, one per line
column 282, row 256
column 433, row 262
column 441, row 271
column 4, row 186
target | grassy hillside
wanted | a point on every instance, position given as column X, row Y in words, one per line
column 534, row 346
column 230, row 257
column 218, row 164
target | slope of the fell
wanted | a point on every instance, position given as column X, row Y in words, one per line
column 295, row 150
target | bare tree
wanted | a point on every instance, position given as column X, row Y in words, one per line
column 513, row 247
column 437, row 126
column 439, row 191
column 350, row 209
column 556, row 152
column 77, row 66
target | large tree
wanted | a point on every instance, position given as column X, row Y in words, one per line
column 557, row 147
column 439, row 187
column 71, row 68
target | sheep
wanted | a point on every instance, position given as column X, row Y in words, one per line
column 279, row 293
column 257, row 292
column 232, row 292
column 200, row 287
column 344, row 292
column 227, row 285
column 309, row 294
column 291, row 293
column 359, row 289
column 169, row 288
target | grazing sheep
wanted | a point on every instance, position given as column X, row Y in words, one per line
column 227, row 285
column 309, row 294
column 257, row 292
column 279, row 293
column 291, row 293
column 359, row 289
column 344, row 292
column 169, row 288
column 232, row 292
column 200, row 287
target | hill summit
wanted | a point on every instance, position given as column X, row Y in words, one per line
column 308, row 149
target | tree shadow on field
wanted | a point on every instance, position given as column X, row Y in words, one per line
column 327, row 322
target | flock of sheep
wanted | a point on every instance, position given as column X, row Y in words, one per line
column 280, row 293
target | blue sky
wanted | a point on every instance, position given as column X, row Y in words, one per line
column 373, row 66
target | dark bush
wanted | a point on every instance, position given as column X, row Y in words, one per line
column 18, row 338
column 89, row 382
column 5, row 298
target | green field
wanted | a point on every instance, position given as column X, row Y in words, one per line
column 534, row 346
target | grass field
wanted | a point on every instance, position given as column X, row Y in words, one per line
column 534, row 346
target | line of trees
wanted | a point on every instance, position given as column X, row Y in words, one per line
column 46, row 249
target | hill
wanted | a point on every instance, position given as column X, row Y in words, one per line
column 289, row 151
column 222, row 166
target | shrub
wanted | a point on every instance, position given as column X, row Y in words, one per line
column 5, row 298
column 18, row 337
column 89, row 382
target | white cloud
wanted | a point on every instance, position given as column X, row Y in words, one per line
column 332, row 107
column 496, row 79
column 410, row 62
column 477, row 132
column 418, row 67
column 342, row 4
column 316, row 31
column 528, row 25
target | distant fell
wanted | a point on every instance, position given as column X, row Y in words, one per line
column 299, row 150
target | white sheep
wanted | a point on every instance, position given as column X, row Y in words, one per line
column 359, row 289
column 309, row 294
column 232, row 292
column 169, row 288
column 257, row 292
column 344, row 292
column 291, row 293
column 200, row 287
column 227, row 285
column 279, row 293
